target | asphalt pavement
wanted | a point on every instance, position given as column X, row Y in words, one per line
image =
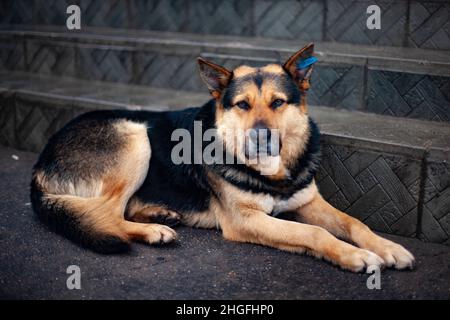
column 201, row 265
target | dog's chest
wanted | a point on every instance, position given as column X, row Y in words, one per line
column 276, row 205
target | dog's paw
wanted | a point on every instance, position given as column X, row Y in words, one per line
column 393, row 254
column 359, row 260
column 159, row 234
column 156, row 214
column 168, row 217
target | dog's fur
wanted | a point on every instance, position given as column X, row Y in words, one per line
column 107, row 177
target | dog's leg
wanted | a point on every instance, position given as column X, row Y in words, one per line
column 251, row 224
column 137, row 142
column 150, row 233
column 319, row 212
column 92, row 210
column 138, row 211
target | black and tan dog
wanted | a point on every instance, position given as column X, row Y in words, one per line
column 107, row 177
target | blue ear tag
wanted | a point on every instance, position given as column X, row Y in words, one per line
column 303, row 64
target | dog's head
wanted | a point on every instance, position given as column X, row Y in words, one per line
column 261, row 102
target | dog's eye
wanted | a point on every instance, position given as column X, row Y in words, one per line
column 243, row 105
column 277, row 103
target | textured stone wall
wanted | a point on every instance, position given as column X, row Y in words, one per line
column 422, row 24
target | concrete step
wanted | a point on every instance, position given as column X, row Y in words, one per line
column 413, row 23
column 394, row 175
column 402, row 82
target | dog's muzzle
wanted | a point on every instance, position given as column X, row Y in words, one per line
column 261, row 141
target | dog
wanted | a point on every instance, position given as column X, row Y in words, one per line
column 107, row 178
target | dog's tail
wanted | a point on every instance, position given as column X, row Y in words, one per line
column 88, row 221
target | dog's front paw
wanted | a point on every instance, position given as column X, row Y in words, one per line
column 159, row 234
column 393, row 254
column 359, row 260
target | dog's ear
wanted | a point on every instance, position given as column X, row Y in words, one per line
column 300, row 66
column 215, row 76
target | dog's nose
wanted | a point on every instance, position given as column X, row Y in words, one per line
column 260, row 137
column 260, row 132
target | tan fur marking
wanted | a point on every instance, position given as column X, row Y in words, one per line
column 294, row 134
column 273, row 68
column 320, row 212
column 257, row 227
column 207, row 219
column 113, row 187
column 298, row 199
column 244, row 217
column 134, row 205
column 81, row 188
column 242, row 71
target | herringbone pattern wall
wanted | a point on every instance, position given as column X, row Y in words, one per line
column 49, row 12
column 430, row 25
column 336, row 85
column 28, row 125
column 436, row 215
column 16, row 12
column 381, row 190
column 106, row 64
column 51, row 59
column 346, row 22
column 173, row 70
column 159, row 15
column 289, row 19
column 409, row 95
column 233, row 17
column 423, row 24
column 97, row 14
column 12, row 55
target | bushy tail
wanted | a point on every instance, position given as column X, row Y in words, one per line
column 87, row 221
